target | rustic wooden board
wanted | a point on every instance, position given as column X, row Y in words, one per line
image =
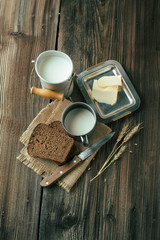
column 123, row 203
column 27, row 29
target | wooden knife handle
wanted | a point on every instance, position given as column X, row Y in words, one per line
column 47, row 93
column 61, row 171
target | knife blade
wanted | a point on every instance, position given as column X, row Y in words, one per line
column 61, row 171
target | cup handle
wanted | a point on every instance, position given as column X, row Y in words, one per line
column 84, row 140
column 47, row 93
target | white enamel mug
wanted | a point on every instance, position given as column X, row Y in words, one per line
column 55, row 71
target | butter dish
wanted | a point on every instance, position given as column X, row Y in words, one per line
column 127, row 101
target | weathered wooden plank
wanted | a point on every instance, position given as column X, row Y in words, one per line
column 125, row 205
column 27, row 29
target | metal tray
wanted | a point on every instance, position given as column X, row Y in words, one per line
column 128, row 99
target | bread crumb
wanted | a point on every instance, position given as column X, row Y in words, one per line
column 105, row 180
column 135, row 144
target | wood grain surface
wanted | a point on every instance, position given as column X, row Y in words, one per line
column 123, row 203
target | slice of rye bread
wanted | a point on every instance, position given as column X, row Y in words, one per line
column 57, row 126
column 47, row 143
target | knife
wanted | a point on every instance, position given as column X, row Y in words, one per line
column 61, row 171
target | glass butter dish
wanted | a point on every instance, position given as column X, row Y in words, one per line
column 127, row 101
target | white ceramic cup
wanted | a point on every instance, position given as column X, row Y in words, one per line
column 55, row 71
column 79, row 120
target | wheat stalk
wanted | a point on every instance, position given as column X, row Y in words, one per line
column 116, row 157
column 122, row 149
column 123, row 132
column 131, row 133
column 126, row 135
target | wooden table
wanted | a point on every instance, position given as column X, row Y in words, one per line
column 123, row 203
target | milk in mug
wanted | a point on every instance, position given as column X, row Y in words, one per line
column 79, row 121
column 55, row 69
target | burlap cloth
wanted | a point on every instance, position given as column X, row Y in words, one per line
column 44, row 168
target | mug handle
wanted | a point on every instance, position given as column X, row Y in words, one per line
column 84, row 140
column 46, row 93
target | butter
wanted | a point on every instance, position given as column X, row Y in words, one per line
column 106, row 95
column 105, row 89
column 108, row 81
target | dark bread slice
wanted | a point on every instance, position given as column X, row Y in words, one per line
column 57, row 126
column 49, row 144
